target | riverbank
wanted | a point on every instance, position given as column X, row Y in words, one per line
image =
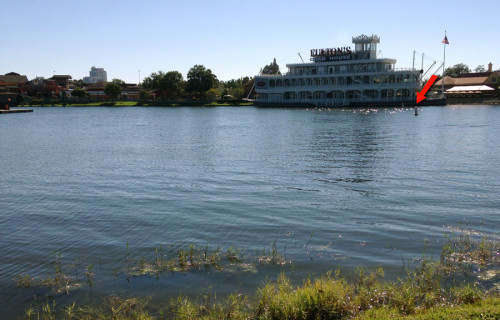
column 463, row 284
column 191, row 103
column 473, row 101
column 328, row 297
column 15, row 111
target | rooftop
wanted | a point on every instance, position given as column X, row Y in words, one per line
column 13, row 78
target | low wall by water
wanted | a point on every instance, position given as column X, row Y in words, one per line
column 490, row 101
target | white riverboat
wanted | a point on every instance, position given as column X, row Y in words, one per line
column 339, row 77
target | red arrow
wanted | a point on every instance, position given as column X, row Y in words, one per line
column 428, row 85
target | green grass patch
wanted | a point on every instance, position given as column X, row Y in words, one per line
column 488, row 308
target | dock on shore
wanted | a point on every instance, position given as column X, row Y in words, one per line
column 15, row 111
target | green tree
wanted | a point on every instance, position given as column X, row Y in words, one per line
column 456, row 70
column 78, row 83
column 480, row 68
column 152, row 82
column 212, row 94
column 236, row 88
column 118, row 82
column 237, row 93
column 200, row 80
column 79, row 93
column 168, row 85
column 248, row 87
column 272, row 68
column 145, row 95
column 172, row 84
column 112, row 89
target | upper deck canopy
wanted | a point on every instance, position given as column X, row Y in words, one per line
column 366, row 43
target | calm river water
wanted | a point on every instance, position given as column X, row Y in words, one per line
column 323, row 189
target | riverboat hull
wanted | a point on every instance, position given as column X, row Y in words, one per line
column 352, row 104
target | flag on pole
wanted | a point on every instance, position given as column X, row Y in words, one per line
column 445, row 40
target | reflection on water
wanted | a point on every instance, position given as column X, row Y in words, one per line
column 107, row 187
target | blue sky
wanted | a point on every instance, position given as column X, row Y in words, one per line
column 233, row 38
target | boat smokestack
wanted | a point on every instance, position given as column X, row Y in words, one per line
column 490, row 67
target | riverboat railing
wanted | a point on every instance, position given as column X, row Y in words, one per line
column 341, row 87
column 309, row 74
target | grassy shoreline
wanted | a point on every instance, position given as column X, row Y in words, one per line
column 327, row 297
column 194, row 103
column 464, row 283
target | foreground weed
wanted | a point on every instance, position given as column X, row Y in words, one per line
column 465, row 249
column 233, row 255
column 89, row 274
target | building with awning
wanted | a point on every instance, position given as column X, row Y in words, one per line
column 480, row 80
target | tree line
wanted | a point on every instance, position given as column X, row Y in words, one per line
column 461, row 68
column 201, row 83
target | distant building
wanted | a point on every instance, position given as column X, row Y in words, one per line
column 488, row 78
column 95, row 91
column 469, row 86
column 13, row 77
column 10, row 84
column 131, row 91
column 40, row 87
column 96, row 75
column 63, row 81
